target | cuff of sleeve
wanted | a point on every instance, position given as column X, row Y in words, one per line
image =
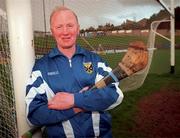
column 78, row 100
column 69, row 113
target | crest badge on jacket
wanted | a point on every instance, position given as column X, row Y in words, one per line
column 88, row 67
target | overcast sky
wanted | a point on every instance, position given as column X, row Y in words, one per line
column 100, row 12
column 96, row 12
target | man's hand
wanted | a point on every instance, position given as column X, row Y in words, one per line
column 78, row 110
column 61, row 101
column 64, row 100
column 84, row 89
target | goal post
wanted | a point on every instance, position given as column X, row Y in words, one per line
column 172, row 31
column 22, row 53
column 172, row 27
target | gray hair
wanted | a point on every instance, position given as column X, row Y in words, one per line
column 62, row 8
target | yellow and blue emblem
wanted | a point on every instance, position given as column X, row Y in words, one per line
column 88, row 67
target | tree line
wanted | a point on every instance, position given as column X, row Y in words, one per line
column 128, row 24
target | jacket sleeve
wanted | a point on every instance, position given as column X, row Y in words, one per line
column 37, row 94
column 100, row 99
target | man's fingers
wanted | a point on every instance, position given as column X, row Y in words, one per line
column 56, row 106
column 61, row 101
column 77, row 110
column 52, row 106
column 84, row 89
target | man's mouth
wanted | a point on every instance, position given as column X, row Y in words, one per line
column 66, row 38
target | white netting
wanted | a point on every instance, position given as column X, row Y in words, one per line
column 136, row 80
column 8, row 128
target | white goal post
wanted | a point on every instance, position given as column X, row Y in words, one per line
column 172, row 31
column 22, row 53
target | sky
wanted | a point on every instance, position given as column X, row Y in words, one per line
column 100, row 12
column 96, row 12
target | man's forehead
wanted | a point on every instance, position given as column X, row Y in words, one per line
column 64, row 12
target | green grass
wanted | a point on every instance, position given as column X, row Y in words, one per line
column 95, row 41
column 6, row 88
column 105, row 41
column 158, row 77
column 162, row 41
column 160, row 61
column 111, row 40
column 177, row 40
column 123, row 115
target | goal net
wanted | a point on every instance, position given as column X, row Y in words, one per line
column 8, row 127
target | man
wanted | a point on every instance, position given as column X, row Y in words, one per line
column 57, row 91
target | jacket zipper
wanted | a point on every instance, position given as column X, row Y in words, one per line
column 70, row 64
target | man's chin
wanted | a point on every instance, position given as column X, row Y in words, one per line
column 66, row 46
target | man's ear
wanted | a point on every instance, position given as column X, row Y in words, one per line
column 51, row 31
column 78, row 30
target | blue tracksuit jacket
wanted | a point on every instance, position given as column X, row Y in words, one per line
column 55, row 73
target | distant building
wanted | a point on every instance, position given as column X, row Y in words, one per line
column 100, row 33
column 142, row 22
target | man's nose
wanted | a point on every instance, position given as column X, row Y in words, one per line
column 65, row 30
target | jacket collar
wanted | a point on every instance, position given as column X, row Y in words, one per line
column 55, row 52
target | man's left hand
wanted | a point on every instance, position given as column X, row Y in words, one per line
column 61, row 101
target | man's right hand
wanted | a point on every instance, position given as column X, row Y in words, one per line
column 78, row 110
column 84, row 89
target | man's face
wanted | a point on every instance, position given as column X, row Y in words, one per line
column 65, row 28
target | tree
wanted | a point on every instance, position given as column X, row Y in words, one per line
column 91, row 29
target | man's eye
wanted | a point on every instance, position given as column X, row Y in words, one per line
column 70, row 26
column 58, row 27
